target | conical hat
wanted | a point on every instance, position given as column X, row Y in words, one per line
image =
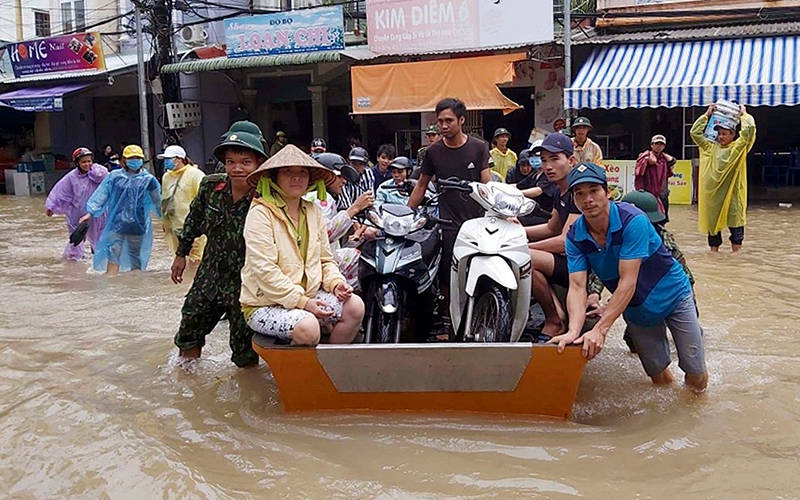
column 292, row 156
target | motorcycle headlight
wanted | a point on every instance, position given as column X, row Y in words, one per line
column 505, row 204
column 397, row 226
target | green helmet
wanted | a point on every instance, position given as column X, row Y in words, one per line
column 647, row 203
column 242, row 134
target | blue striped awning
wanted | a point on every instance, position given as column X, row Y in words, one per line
column 751, row 71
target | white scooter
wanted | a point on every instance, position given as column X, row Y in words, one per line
column 490, row 286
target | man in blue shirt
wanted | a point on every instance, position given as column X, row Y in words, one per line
column 648, row 286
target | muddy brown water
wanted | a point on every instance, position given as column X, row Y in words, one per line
column 93, row 404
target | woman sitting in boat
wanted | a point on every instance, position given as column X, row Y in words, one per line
column 291, row 286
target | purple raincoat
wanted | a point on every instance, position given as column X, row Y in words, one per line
column 69, row 197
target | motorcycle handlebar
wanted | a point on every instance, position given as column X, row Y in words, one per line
column 454, row 183
column 443, row 222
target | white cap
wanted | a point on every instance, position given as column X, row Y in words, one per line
column 173, row 152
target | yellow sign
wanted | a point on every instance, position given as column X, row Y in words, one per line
column 680, row 184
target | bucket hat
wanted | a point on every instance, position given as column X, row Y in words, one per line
column 501, row 131
column 432, row 130
column 581, row 121
column 239, row 139
column 292, row 156
column 647, row 203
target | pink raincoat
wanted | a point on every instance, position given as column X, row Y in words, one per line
column 69, row 196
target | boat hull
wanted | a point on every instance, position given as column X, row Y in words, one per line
column 514, row 378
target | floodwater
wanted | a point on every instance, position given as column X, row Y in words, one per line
column 93, row 404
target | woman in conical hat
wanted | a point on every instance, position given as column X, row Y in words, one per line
column 291, row 286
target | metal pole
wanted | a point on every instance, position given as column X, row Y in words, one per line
column 567, row 51
column 143, row 122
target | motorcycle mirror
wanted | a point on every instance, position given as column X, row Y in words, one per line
column 350, row 174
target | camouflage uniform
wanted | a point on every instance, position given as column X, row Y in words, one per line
column 672, row 246
column 217, row 285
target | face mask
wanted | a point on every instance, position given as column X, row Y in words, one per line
column 134, row 163
column 536, row 162
column 169, row 163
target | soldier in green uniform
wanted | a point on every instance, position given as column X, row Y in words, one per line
column 218, row 211
column 433, row 135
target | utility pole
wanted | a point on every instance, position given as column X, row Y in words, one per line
column 18, row 9
column 567, row 51
column 143, row 121
column 170, row 83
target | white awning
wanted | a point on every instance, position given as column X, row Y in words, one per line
column 752, row 71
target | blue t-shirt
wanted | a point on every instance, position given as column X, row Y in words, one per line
column 662, row 283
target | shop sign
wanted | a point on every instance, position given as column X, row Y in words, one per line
column 291, row 32
column 680, row 184
column 621, row 175
column 78, row 52
column 418, row 26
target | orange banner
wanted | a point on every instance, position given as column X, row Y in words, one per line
column 418, row 86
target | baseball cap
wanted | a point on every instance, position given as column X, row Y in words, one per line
column 318, row 143
column 173, row 151
column 586, row 172
column 432, row 130
column 280, row 133
column 501, row 131
column 658, row 138
column 647, row 203
column 133, row 151
column 555, row 143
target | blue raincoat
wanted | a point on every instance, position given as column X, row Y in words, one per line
column 128, row 198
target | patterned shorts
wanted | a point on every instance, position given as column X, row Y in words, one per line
column 277, row 321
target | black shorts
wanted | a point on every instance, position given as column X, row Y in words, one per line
column 560, row 274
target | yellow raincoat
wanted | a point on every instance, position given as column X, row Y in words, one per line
column 503, row 162
column 178, row 189
column 722, row 186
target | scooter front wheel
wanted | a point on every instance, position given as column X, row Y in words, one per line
column 492, row 317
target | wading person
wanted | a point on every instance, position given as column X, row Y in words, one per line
column 179, row 186
column 722, row 187
column 69, row 196
column 504, row 158
column 618, row 243
column 127, row 196
column 292, row 288
column 586, row 150
column 456, row 155
column 218, row 212
column 653, row 169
